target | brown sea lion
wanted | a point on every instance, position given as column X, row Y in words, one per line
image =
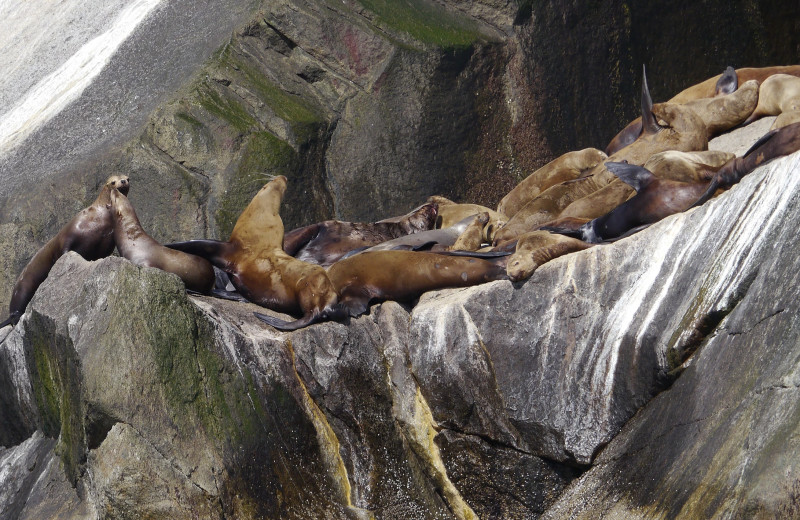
column 472, row 237
column 655, row 199
column 779, row 93
column 259, row 268
column 708, row 87
column 405, row 275
column 774, row 144
column 325, row 242
column 682, row 130
column 537, row 248
column 567, row 167
column 136, row 245
column 451, row 213
column 687, row 166
column 90, row 234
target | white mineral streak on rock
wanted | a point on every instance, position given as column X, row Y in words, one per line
column 19, row 369
column 57, row 90
column 11, row 463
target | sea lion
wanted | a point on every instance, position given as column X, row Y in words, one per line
column 136, row 245
column 433, row 238
column 726, row 83
column 537, row 248
column 687, row 166
column 405, row 275
column 774, row 144
column 708, row 88
column 682, row 130
column 722, row 113
column 786, row 119
column 569, row 166
column 90, row 234
column 259, row 268
column 779, row 93
column 655, row 199
column 450, row 213
column 325, row 242
column 473, row 236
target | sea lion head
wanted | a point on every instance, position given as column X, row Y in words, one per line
column 678, row 117
column 120, row 182
column 422, row 219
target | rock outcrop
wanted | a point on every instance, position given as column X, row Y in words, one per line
column 134, row 399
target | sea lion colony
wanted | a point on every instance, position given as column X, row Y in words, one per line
column 657, row 166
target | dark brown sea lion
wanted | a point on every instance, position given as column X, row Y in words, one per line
column 537, row 248
column 325, row 242
column 655, row 199
column 569, row 166
column 779, row 93
column 136, row 245
column 774, row 144
column 90, row 234
column 405, row 275
column 259, row 268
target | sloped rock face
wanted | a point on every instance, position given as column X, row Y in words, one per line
column 486, row 402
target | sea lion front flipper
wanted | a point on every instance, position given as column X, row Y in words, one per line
column 649, row 124
column 727, row 83
column 637, row 177
column 295, row 240
column 763, row 139
column 12, row 320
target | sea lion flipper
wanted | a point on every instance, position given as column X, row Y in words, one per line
column 637, row 177
column 229, row 295
column 296, row 239
column 12, row 319
column 211, row 250
column 727, row 83
column 649, row 124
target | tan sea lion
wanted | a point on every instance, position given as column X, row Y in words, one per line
column 687, row 166
column 567, row 167
column 472, row 237
column 786, row 119
column 774, row 144
column 440, row 239
column 90, row 234
column 537, row 248
column 655, row 199
column 325, row 242
column 779, row 93
column 721, row 113
column 140, row 248
column 259, row 268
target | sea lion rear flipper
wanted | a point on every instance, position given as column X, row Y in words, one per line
column 337, row 313
column 229, row 295
column 649, row 124
column 637, row 177
column 727, row 83
column 712, row 189
column 211, row 250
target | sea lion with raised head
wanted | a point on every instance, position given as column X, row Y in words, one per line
column 569, row 166
column 655, row 199
column 774, row 144
column 259, row 268
column 537, row 248
column 779, row 93
column 135, row 245
column 90, row 234
column 325, row 242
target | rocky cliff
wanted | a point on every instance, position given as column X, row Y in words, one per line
column 652, row 378
column 126, row 398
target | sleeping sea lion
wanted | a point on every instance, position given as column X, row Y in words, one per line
column 786, row 119
column 451, row 213
column 537, row 248
column 655, row 199
column 584, row 197
column 90, row 234
column 721, row 113
column 136, row 245
column 687, row 166
column 433, row 238
column 325, row 242
column 779, row 93
column 569, row 166
column 774, row 144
